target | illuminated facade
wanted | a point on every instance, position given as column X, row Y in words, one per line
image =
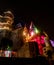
column 27, row 43
column 6, row 21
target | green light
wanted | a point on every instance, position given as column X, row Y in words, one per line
column 36, row 30
column 8, row 48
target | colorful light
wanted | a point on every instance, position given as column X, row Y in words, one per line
column 52, row 43
column 24, row 33
column 32, row 33
column 7, row 53
column 42, row 39
column 31, row 25
column 36, row 30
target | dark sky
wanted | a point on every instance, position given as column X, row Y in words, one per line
column 42, row 14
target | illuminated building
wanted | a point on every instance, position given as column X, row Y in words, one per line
column 5, row 27
column 26, row 42
column 6, row 20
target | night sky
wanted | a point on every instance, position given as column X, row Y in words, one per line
column 42, row 14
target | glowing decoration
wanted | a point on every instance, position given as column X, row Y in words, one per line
column 31, row 29
column 52, row 43
column 25, row 31
column 38, row 41
column 31, row 25
column 6, row 21
column 7, row 53
column 42, row 39
column 9, row 16
column 36, row 30
column 25, row 34
column 4, row 26
column 32, row 33
column 27, row 38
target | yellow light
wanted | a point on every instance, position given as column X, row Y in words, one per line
column 27, row 38
column 24, row 33
column 36, row 30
